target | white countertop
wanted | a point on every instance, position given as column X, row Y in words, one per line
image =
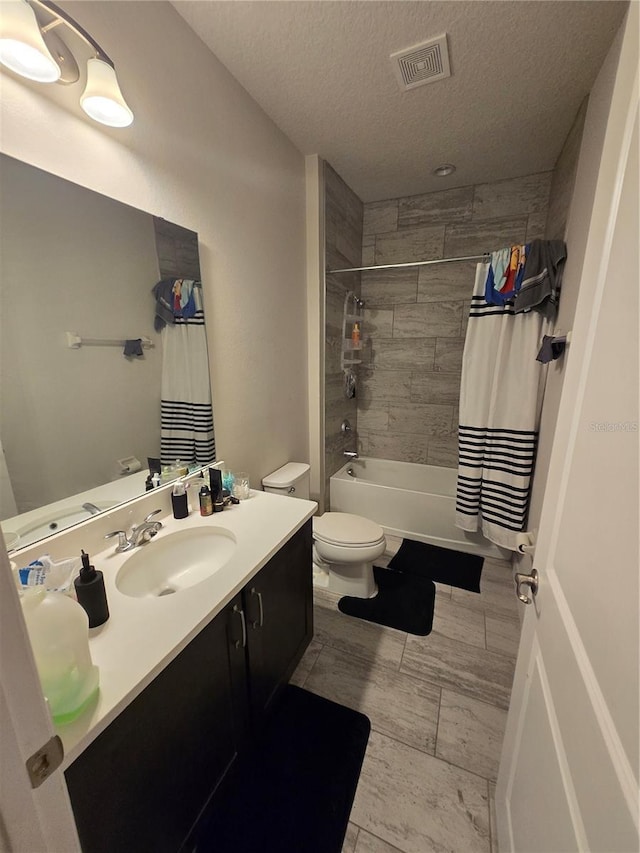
column 143, row 635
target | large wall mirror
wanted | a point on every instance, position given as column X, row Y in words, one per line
column 74, row 261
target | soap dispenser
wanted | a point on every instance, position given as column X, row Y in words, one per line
column 91, row 593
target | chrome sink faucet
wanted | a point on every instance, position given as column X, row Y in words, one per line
column 139, row 534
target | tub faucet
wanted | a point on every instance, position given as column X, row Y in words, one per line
column 139, row 534
column 350, row 454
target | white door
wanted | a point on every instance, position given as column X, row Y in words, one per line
column 31, row 820
column 569, row 772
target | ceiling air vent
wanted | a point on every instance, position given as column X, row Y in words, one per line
column 421, row 64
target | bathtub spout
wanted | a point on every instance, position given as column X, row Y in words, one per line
column 350, row 454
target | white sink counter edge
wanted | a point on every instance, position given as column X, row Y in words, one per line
column 143, row 635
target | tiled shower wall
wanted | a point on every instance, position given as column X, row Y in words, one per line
column 415, row 318
column 343, row 247
column 177, row 249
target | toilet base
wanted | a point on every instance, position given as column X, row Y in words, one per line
column 327, row 577
column 354, row 579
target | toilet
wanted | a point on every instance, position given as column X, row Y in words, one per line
column 345, row 545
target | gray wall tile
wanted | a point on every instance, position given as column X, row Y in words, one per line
column 409, row 353
column 420, row 418
column 374, row 418
column 343, row 248
column 513, row 197
column 435, row 208
column 471, row 238
column 380, row 216
column 368, row 251
column 402, row 447
column 442, row 282
column 411, row 244
column 536, row 225
column 465, row 318
column 385, row 288
column 379, row 386
column 408, row 308
column 443, row 451
column 377, row 322
column 449, row 354
column 443, row 388
column 427, row 319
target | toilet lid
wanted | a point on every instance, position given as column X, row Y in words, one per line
column 342, row 528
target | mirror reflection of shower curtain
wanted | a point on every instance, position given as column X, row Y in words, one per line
column 186, row 420
column 500, row 403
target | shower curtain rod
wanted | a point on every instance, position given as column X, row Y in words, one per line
column 485, row 255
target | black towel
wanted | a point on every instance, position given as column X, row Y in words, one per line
column 133, row 347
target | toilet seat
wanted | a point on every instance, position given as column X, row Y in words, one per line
column 347, row 531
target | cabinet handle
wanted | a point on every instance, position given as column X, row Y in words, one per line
column 237, row 643
column 260, row 623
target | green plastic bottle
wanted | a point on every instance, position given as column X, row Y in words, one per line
column 58, row 628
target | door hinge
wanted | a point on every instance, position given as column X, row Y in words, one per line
column 43, row 762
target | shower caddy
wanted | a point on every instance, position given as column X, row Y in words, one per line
column 351, row 314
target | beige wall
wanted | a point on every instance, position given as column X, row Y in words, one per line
column 200, row 153
column 564, row 177
column 343, row 240
column 416, row 318
column 576, row 233
column 67, row 415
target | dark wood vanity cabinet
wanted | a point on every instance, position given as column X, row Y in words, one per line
column 278, row 605
column 142, row 784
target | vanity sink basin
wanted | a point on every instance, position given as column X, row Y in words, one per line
column 172, row 563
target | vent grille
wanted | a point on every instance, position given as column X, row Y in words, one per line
column 421, row 64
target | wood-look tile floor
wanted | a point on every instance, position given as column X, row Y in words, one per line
column 437, row 706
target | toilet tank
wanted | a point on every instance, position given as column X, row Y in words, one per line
column 292, row 481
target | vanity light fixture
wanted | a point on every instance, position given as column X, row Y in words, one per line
column 30, row 46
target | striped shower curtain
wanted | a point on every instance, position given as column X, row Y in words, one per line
column 500, row 402
column 186, row 419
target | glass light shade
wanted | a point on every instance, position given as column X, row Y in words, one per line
column 102, row 99
column 22, row 48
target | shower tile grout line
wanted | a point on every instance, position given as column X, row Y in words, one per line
column 491, row 839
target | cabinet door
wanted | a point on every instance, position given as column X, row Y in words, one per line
column 279, row 608
column 143, row 782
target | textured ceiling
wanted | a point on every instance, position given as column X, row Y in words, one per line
column 321, row 71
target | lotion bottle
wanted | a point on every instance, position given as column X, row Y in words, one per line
column 179, row 500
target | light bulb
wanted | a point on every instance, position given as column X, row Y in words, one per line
column 102, row 99
column 22, row 48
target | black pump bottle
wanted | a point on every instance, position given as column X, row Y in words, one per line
column 91, row 593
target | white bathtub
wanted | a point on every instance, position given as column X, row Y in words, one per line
column 407, row 500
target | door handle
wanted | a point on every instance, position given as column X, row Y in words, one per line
column 260, row 622
column 526, row 580
column 242, row 643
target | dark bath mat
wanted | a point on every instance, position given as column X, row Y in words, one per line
column 441, row 565
column 296, row 790
column 403, row 601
